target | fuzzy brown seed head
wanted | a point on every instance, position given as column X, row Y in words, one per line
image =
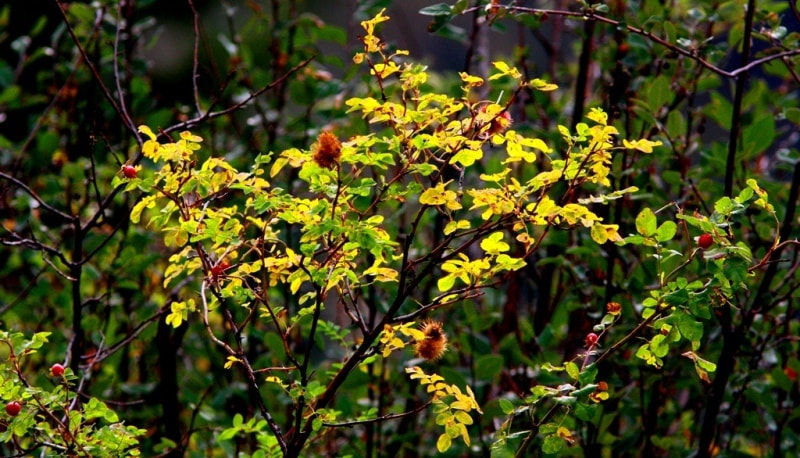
column 433, row 346
column 327, row 150
column 499, row 123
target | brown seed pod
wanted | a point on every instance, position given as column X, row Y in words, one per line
column 433, row 346
column 327, row 150
column 614, row 308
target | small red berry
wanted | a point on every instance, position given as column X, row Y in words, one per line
column 591, row 339
column 56, row 370
column 220, row 268
column 129, row 171
column 791, row 373
column 705, row 241
column 13, row 408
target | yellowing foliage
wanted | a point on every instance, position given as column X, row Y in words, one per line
column 418, row 162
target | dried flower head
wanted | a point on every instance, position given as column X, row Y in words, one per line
column 433, row 346
column 327, row 150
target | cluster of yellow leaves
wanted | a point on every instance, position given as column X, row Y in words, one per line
column 451, row 406
column 371, row 42
column 173, row 151
column 438, row 195
column 179, row 311
column 390, row 338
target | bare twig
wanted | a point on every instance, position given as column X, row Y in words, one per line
column 98, row 78
column 195, row 58
column 382, row 418
column 215, row 114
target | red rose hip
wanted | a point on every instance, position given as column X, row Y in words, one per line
column 591, row 339
column 129, row 171
column 705, row 241
column 56, row 370
column 13, row 408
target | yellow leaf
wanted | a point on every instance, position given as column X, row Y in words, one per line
column 470, row 80
column 565, row 434
column 495, row 177
column 453, row 226
column 597, row 115
column 464, row 435
column 295, row 285
column 174, row 319
column 437, row 195
column 146, row 130
column 444, row 443
column 190, row 137
column 231, row 361
column 542, row 85
column 446, row 283
column 494, row 244
column 643, row 145
column 384, row 70
column 150, row 149
column 467, row 157
column 505, row 70
column 136, row 212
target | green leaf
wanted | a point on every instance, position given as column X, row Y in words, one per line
column 572, row 370
column 584, row 391
column 439, row 9
column 744, row 195
column 677, row 297
column 501, row 449
column 548, row 428
column 506, row 406
column 587, row 412
column 659, row 345
column 228, row 434
column 724, row 206
column 489, row 366
column 588, row 375
column 689, row 328
column 659, row 92
column 666, row 231
column 646, row 223
column 707, row 365
column 792, row 114
column 552, row 444
column 759, row 135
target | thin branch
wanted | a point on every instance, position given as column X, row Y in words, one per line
column 382, row 418
column 195, row 59
column 123, row 110
column 215, row 114
column 64, row 217
column 691, row 53
column 99, row 79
